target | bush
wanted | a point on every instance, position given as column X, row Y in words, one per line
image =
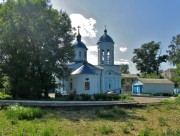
column 123, row 97
column 105, row 129
column 58, row 94
column 4, row 96
column 20, row 112
column 84, row 97
column 101, row 97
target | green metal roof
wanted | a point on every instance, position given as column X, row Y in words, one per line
column 155, row 81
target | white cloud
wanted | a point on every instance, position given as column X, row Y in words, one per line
column 123, row 49
column 86, row 24
column 92, row 48
column 121, row 61
column 92, row 55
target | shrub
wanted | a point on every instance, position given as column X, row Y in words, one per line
column 105, row 129
column 119, row 110
column 4, row 96
column 123, row 97
column 20, row 112
column 58, row 94
column 84, row 97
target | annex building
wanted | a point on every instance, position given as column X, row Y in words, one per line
column 92, row 79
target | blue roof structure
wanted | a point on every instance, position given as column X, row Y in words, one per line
column 84, row 69
column 80, row 45
column 76, row 65
column 105, row 38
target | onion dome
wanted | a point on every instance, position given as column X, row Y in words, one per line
column 78, row 43
column 105, row 38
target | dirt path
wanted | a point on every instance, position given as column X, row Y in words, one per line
column 151, row 99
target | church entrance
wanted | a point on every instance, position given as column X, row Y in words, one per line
column 109, row 84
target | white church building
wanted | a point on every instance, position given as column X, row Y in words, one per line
column 86, row 78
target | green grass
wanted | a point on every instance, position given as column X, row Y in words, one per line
column 119, row 110
column 20, row 112
column 160, row 120
column 105, row 129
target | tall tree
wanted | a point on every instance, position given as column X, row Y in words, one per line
column 125, row 68
column 147, row 58
column 35, row 46
column 174, row 50
column 176, row 77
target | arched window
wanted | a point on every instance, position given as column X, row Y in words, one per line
column 108, row 56
column 102, row 53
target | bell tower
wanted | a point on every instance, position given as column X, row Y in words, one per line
column 105, row 49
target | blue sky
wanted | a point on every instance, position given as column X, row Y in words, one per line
column 129, row 22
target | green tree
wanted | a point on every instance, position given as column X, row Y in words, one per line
column 176, row 77
column 147, row 58
column 35, row 46
column 151, row 76
column 125, row 68
column 174, row 50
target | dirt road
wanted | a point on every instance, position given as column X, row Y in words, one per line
column 151, row 99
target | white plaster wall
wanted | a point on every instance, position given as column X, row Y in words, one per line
column 105, row 46
column 79, row 83
column 82, row 58
column 114, row 78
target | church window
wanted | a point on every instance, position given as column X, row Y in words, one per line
column 109, row 86
column 108, row 56
column 71, row 85
column 87, row 85
column 79, row 54
column 102, row 53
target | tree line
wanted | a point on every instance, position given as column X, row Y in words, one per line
column 148, row 58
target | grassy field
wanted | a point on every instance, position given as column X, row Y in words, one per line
column 148, row 120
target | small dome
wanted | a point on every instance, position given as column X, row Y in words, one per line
column 105, row 38
column 78, row 43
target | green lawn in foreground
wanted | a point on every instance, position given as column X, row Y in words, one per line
column 144, row 121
